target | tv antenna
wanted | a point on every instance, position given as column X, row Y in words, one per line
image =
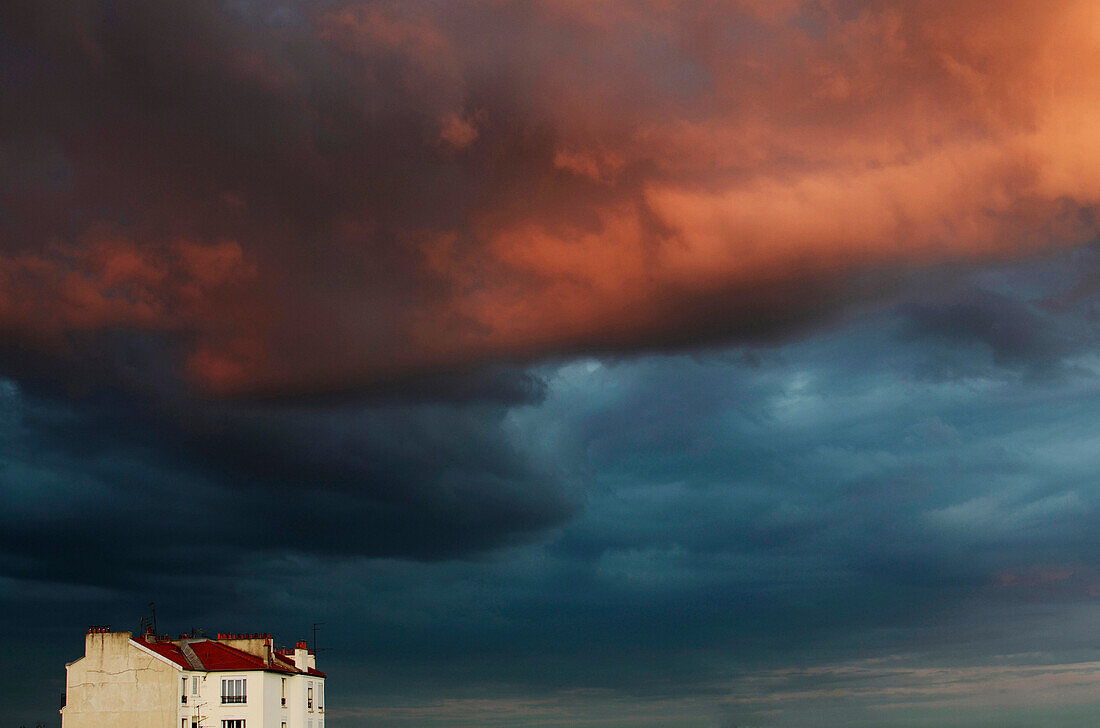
column 149, row 624
column 316, row 649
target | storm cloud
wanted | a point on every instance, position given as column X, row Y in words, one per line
column 331, row 195
column 699, row 363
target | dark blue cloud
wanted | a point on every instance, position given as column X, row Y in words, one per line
column 670, row 531
column 888, row 499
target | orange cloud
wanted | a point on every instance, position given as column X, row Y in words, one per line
column 107, row 280
column 635, row 176
column 457, row 131
column 905, row 136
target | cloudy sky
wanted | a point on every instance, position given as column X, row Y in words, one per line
column 576, row 363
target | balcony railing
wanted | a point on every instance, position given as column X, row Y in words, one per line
column 284, row 702
column 183, row 699
column 226, row 699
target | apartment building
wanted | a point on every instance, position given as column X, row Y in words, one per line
column 231, row 681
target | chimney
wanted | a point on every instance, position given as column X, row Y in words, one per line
column 100, row 639
column 301, row 657
column 94, row 639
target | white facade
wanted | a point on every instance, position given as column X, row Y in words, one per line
column 263, row 705
column 230, row 682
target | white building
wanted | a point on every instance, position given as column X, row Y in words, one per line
column 234, row 681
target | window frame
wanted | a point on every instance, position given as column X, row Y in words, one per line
column 229, row 685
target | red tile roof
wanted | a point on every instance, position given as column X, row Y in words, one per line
column 218, row 657
column 165, row 649
column 290, row 661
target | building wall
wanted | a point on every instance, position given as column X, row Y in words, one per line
column 251, row 711
column 118, row 685
column 264, row 707
column 274, row 712
column 197, row 704
column 297, row 713
column 313, row 717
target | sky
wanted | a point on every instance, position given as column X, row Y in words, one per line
column 575, row 363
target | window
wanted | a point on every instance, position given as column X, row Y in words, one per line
column 284, row 724
column 321, row 697
column 183, row 723
column 233, row 691
column 284, row 696
column 195, row 685
column 183, row 691
column 309, row 697
column 235, row 723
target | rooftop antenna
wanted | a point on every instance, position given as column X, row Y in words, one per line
column 149, row 623
column 317, row 650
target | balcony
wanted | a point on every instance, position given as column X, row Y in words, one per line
column 183, row 699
